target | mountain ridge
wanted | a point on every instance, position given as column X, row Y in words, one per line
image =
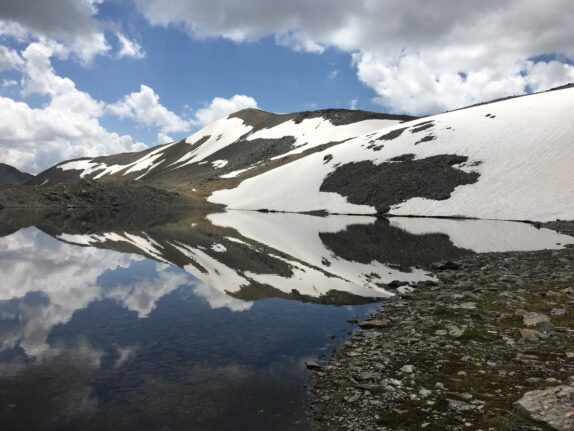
column 10, row 175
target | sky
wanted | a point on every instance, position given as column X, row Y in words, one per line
column 83, row 78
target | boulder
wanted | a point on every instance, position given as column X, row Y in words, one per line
column 553, row 407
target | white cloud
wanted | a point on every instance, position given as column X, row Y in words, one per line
column 9, row 59
column 66, row 127
column 129, row 48
column 145, row 108
column 441, row 53
column 6, row 83
column 299, row 41
column 68, row 21
column 353, row 104
column 221, row 107
column 549, row 74
column 162, row 138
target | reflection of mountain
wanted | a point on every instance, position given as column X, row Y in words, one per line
column 237, row 257
column 334, row 259
column 227, row 252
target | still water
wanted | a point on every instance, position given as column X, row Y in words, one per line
column 204, row 322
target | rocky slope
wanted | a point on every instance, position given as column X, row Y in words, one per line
column 11, row 175
column 112, row 195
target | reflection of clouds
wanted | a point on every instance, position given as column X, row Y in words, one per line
column 217, row 299
column 141, row 296
column 125, row 354
column 66, row 276
column 81, row 353
column 45, row 281
column 485, row 236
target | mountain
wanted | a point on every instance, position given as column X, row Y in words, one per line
column 227, row 151
column 11, row 175
column 510, row 159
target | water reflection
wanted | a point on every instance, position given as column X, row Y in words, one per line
column 202, row 323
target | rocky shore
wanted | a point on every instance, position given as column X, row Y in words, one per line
column 489, row 346
column 119, row 195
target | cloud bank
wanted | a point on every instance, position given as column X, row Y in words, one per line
column 420, row 56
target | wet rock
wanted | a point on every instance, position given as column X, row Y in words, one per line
column 449, row 264
column 374, row 324
column 553, row 407
column 312, row 365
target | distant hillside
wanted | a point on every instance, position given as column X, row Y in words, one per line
column 11, row 175
column 227, row 151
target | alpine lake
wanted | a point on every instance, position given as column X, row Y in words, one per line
column 201, row 321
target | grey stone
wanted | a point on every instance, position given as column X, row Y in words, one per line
column 460, row 406
column 558, row 312
column 408, row 369
column 535, row 320
column 553, row 407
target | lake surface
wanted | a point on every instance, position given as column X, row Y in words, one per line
column 204, row 322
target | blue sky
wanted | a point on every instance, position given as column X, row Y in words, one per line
column 102, row 76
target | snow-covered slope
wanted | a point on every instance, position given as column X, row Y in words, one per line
column 512, row 159
column 243, row 144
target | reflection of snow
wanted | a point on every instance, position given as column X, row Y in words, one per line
column 297, row 235
column 483, row 236
column 218, row 275
column 220, row 248
column 144, row 243
column 218, row 299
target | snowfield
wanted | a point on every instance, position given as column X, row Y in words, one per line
column 522, row 149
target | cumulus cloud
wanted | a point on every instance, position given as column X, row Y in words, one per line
column 129, row 48
column 440, row 53
column 144, row 107
column 66, row 127
column 221, row 107
column 68, row 21
column 9, row 59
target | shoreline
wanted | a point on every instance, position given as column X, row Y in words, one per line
column 458, row 354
